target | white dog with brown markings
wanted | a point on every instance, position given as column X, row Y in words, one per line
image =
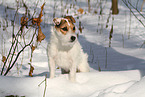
column 64, row 50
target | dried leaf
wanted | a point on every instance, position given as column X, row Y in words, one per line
column 34, row 21
column 42, row 7
column 24, row 22
column 33, row 48
column 3, row 59
column 40, row 36
column 38, row 20
column 80, row 10
column 80, row 29
column 40, row 15
column 31, row 70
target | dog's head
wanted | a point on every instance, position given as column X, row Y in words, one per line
column 65, row 30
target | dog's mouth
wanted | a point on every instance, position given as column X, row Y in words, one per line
column 71, row 41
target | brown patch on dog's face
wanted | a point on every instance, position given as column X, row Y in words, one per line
column 65, row 26
column 70, row 18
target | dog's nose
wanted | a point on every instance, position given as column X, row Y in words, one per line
column 73, row 38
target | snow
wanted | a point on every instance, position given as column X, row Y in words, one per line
column 122, row 64
column 132, row 91
column 87, row 84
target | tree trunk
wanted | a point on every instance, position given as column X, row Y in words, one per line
column 115, row 9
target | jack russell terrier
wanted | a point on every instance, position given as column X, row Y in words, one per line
column 64, row 50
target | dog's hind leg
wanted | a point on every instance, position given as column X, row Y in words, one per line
column 84, row 66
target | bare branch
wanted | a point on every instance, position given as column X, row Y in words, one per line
column 127, row 4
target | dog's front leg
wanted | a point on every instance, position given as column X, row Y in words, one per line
column 72, row 74
column 51, row 67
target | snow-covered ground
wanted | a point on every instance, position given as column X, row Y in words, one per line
column 116, row 71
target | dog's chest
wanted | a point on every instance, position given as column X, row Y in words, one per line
column 64, row 59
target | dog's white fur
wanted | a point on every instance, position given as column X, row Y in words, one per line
column 67, row 55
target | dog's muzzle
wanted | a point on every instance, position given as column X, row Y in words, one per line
column 73, row 38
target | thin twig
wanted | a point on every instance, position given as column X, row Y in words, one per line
column 15, row 39
column 15, row 43
column 45, row 80
column 133, row 13
column 20, row 53
column 136, row 10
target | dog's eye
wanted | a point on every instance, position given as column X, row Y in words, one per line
column 74, row 28
column 64, row 29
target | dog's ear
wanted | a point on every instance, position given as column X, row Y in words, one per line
column 57, row 21
column 70, row 18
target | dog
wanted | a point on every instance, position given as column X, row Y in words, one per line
column 64, row 50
